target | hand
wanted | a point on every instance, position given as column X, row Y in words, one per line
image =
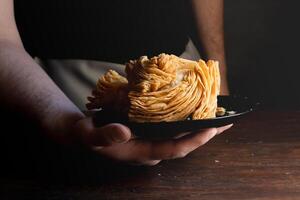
column 117, row 142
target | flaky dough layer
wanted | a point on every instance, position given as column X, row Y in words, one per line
column 162, row 88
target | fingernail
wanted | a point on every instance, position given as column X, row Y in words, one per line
column 228, row 126
column 222, row 129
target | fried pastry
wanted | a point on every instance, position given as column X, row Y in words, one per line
column 162, row 88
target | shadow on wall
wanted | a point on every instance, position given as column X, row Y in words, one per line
column 262, row 41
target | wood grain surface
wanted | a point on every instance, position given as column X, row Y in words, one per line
column 259, row 158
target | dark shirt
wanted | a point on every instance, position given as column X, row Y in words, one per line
column 115, row 31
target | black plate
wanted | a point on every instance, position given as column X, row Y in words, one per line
column 156, row 130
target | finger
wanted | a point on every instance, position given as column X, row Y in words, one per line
column 181, row 135
column 137, row 150
column 146, row 163
column 223, row 128
column 190, row 142
column 220, row 130
column 181, row 147
column 104, row 136
column 109, row 135
column 141, row 150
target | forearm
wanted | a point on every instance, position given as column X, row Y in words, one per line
column 210, row 26
column 25, row 87
column 209, row 19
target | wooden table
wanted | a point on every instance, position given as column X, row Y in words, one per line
column 257, row 159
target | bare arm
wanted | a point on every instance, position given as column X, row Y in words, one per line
column 210, row 26
column 26, row 87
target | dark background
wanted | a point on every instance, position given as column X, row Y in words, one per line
column 262, row 38
column 262, row 42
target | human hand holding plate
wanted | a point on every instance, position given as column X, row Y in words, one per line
column 163, row 98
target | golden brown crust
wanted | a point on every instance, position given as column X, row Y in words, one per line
column 164, row 88
column 111, row 92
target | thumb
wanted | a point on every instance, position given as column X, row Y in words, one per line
column 107, row 135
